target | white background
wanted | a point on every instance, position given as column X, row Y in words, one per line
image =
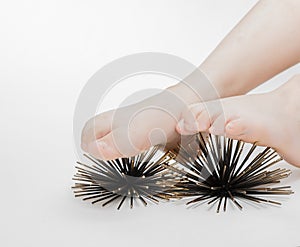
column 48, row 50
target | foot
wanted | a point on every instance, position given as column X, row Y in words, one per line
column 130, row 130
column 270, row 119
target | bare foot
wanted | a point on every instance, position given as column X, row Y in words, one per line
column 270, row 119
column 130, row 130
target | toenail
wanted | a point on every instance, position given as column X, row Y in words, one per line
column 202, row 126
column 191, row 126
column 230, row 126
column 84, row 146
column 93, row 147
column 102, row 144
column 180, row 125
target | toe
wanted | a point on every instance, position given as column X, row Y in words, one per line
column 236, row 128
column 217, row 128
column 188, row 124
column 96, row 128
column 120, row 142
column 195, row 119
column 203, row 120
column 199, row 117
column 101, row 149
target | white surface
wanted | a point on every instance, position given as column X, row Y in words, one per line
column 49, row 49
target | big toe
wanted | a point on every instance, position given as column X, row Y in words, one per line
column 237, row 128
column 96, row 128
column 125, row 142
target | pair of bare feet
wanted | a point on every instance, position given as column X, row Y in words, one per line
column 264, row 43
column 270, row 119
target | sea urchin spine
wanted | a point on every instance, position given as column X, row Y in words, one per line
column 215, row 170
column 140, row 177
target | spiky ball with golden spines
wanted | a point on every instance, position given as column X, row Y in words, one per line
column 217, row 169
column 142, row 177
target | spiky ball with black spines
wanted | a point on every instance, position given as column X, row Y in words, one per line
column 217, row 169
column 141, row 177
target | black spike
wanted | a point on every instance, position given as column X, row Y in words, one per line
column 126, row 179
column 215, row 172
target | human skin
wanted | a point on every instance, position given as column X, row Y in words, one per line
column 264, row 43
column 270, row 119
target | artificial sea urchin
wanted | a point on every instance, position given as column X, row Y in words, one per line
column 217, row 169
column 142, row 177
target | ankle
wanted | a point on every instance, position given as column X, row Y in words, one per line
column 289, row 93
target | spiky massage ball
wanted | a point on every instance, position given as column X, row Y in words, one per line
column 217, row 169
column 137, row 178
